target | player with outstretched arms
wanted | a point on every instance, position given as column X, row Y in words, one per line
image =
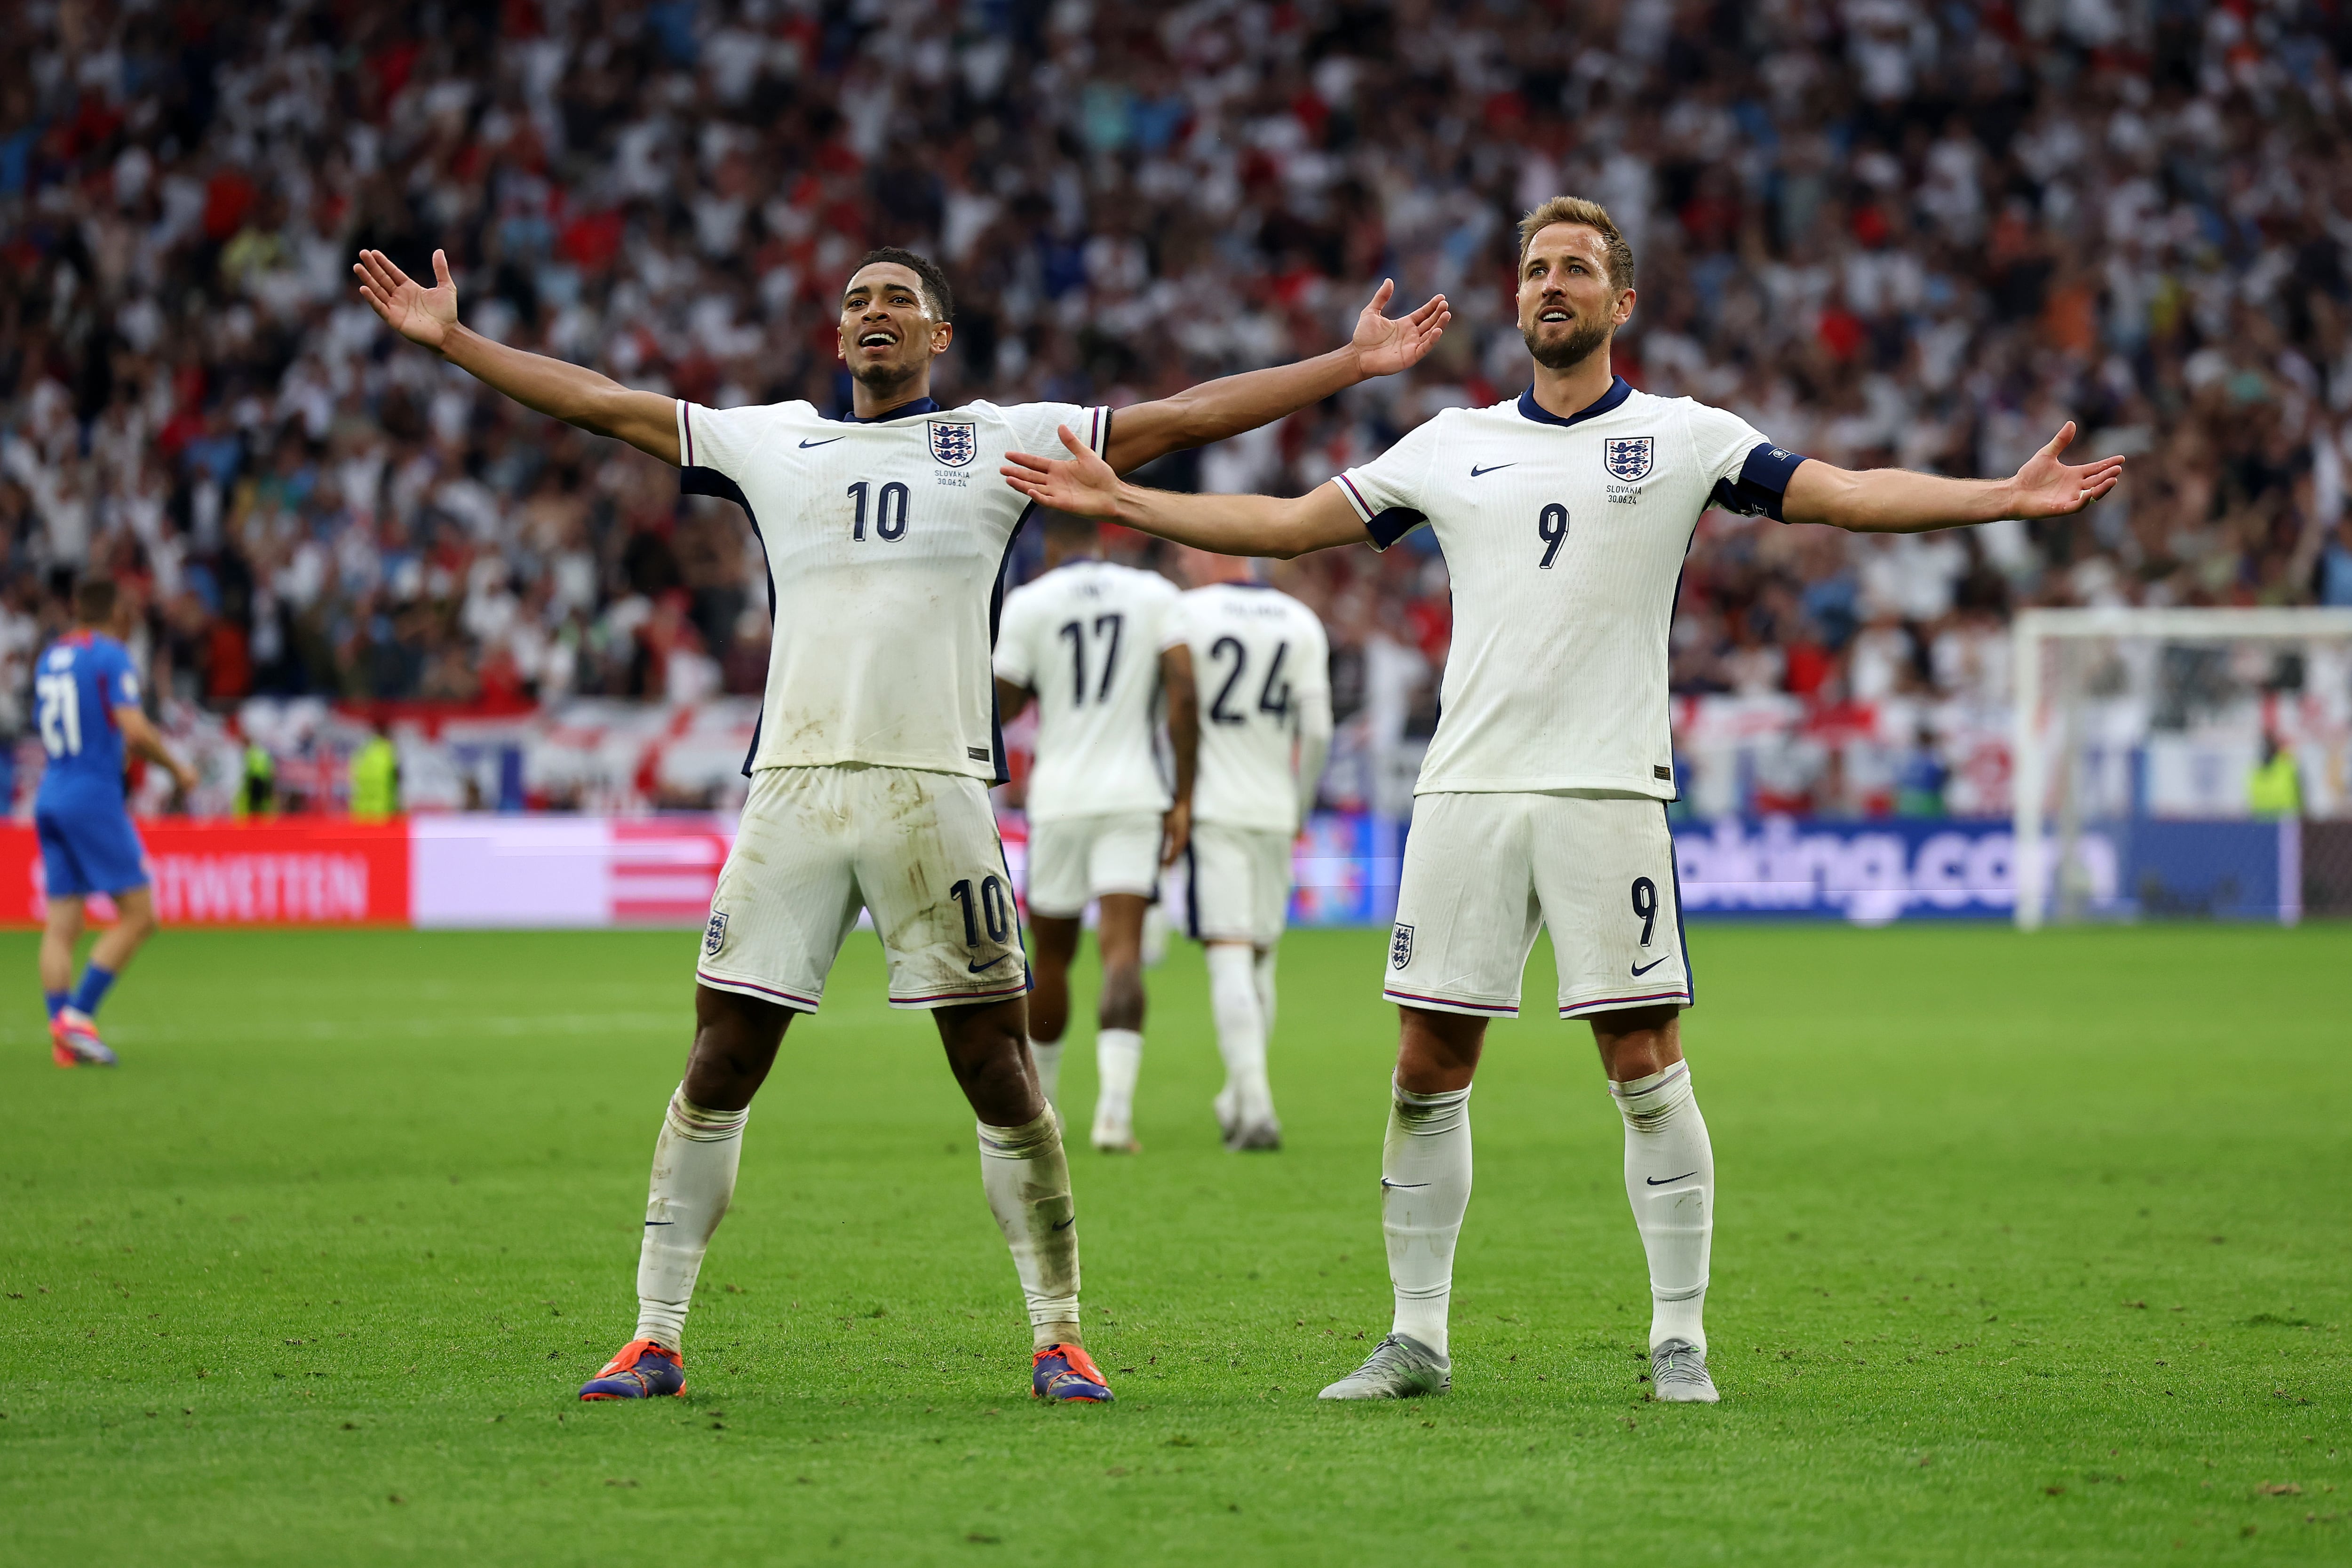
column 1564, row 515
column 886, row 536
column 86, row 700
column 1083, row 638
column 1262, row 667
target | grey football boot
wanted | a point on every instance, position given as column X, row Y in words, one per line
column 1679, row 1374
column 1248, row 1136
column 1399, row 1368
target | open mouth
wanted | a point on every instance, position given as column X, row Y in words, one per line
column 1555, row 314
column 878, row 339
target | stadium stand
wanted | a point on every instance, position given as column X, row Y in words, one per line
column 1884, row 231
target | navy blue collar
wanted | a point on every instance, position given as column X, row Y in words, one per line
column 904, row 411
column 1618, row 393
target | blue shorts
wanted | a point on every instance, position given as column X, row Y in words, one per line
column 88, row 850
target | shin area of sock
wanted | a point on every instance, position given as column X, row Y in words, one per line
column 693, row 1182
column 1235, row 1004
column 1048, row 1061
column 1669, row 1183
column 1026, row 1176
column 1425, row 1172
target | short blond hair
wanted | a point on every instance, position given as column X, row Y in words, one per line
column 1592, row 215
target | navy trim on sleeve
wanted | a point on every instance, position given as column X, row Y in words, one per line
column 694, row 481
column 1762, row 484
column 1387, row 527
column 1619, row 391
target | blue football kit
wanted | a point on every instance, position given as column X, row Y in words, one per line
column 88, row 842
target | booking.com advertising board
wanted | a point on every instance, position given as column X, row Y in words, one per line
column 484, row 871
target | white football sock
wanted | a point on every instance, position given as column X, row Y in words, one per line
column 1049, row 1067
column 693, row 1182
column 1264, row 975
column 1425, row 1190
column 1027, row 1179
column 1118, row 1062
column 1670, row 1181
column 1241, row 1032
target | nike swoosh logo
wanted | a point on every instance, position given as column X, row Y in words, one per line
column 654, row 1222
column 976, row 968
column 1641, row 969
column 1389, row 1186
column 1476, row 470
column 826, row 442
column 1065, row 1224
column 1670, row 1181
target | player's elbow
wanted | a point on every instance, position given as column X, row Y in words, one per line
column 1292, row 538
column 1833, row 497
column 1194, row 425
column 600, row 411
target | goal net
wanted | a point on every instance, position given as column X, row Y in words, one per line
column 2182, row 763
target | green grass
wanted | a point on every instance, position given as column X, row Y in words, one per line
column 2028, row 1251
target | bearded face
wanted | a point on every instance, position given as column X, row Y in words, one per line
column 1568, row 306
column 1556, row 347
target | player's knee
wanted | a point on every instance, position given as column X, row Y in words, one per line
column 735, row 1041
column 986, row 1051
column 1638, row 1042
column 1437, row 1052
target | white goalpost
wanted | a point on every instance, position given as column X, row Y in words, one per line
column 2140, row 735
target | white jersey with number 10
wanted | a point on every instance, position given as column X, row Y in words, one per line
column 885, row 541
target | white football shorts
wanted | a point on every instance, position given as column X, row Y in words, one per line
column 1482, row 872
column 1237, row 887
column 1075, row 859
column 817, row 843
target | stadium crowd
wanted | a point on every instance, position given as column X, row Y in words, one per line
column 1886, row 231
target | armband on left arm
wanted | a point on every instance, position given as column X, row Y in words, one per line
column 1761, row 486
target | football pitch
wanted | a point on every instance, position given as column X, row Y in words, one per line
column 2030, row 1250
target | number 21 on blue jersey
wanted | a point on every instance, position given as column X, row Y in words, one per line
column 60, row 696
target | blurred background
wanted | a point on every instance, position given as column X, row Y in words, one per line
column 1884, row 231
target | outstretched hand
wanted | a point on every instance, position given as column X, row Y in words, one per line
column 1384, row 346
column 2046, row 486
column 421, row 315
column 1081, row 484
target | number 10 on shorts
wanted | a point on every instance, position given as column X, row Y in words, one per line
column 994, row 910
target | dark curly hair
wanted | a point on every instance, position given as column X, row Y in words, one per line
column 936, row 291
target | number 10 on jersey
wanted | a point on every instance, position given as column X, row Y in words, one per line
column 890, row 511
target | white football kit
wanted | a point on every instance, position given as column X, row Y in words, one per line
column 1262, row 667
column 1541, row 799
column 877, row 743
column 1085, row 638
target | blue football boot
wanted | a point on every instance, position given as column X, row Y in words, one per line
column 642, row 1371
column 1066, row 1375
